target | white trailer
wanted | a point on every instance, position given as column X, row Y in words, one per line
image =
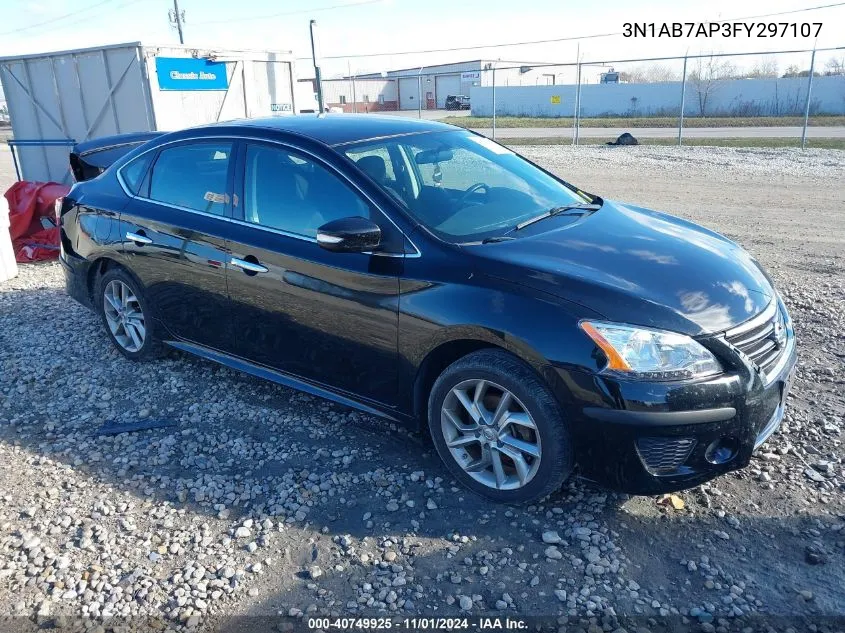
column 56, row 99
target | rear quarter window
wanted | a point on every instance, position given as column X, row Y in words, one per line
column 134, row 172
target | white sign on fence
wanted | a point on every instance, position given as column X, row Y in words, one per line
column 471, row 76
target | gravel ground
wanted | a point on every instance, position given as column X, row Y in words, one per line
column 259, row 500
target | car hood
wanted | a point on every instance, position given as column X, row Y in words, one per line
column 637, row 266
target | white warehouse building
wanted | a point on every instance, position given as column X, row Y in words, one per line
column 441, row 80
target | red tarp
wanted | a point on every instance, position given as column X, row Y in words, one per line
column 34, row 239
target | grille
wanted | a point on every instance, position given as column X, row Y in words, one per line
column 761, row 339
column 663, row 455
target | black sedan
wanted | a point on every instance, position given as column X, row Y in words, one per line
column 457, row 102
column 426, row 274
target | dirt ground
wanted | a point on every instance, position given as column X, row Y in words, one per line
column 261, row 501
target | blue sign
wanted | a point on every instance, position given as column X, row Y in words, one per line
column 187, row 73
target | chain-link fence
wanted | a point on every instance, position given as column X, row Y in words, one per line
column 773, row 98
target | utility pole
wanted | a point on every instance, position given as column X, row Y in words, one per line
column 807, row 104
column 177, row 17
column 315, row 58
column 683, row 101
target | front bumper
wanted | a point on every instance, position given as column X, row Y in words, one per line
column 651, row 438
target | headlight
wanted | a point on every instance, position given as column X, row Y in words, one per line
column 645, row 354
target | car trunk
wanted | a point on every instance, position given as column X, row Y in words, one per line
column 91, row 158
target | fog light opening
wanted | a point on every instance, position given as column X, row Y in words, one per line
column 722, row 451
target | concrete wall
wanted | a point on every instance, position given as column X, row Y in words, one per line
column 738, row 97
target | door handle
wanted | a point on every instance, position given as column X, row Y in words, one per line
column 247, row 266
column 138, row 238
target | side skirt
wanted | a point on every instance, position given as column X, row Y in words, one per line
column 280, row 378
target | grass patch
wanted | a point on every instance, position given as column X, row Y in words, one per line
column 637, row 122
column 814, row 143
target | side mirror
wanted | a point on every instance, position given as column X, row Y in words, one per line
column 349, row 235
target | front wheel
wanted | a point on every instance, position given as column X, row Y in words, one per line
column 498, row 428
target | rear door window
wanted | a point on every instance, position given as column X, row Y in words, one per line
column 193, row 176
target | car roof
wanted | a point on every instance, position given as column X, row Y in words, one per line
column 339, row 129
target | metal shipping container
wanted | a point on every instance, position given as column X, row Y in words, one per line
column 78, row 95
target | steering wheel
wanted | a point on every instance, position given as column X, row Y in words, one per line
column 471, row 190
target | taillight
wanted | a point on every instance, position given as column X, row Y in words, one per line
column 57, row 209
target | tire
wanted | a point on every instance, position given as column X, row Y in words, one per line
column 127, row 336
column 534, row 477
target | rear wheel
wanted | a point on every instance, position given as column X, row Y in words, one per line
column 499, row 429
column 126, row 315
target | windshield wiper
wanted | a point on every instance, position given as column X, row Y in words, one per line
column 581, row 206
column 497, row 238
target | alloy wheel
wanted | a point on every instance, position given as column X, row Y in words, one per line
column 124, row 315
column 490, row 434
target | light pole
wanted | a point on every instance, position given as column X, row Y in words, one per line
column 419, row 92
column 315, row 58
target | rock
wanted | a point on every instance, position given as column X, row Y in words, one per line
column 551, row 537
column 314, row 572
column 814, row 475
column 31, row 543
column 561, row 595
column 815, row 555
column 626, row 138
column 430, row 504
column 553, row 553
column 243, row 532
column 465, row 603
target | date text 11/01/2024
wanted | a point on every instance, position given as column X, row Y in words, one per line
column 419, row 624
column 721, row 29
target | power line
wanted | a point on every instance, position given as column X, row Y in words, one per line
column 56, row 19
column 471, row 48
column 564, row 39
column 297, row 12
column 772, row 15
column 122, row 4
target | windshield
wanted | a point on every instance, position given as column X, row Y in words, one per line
column 462, row 186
